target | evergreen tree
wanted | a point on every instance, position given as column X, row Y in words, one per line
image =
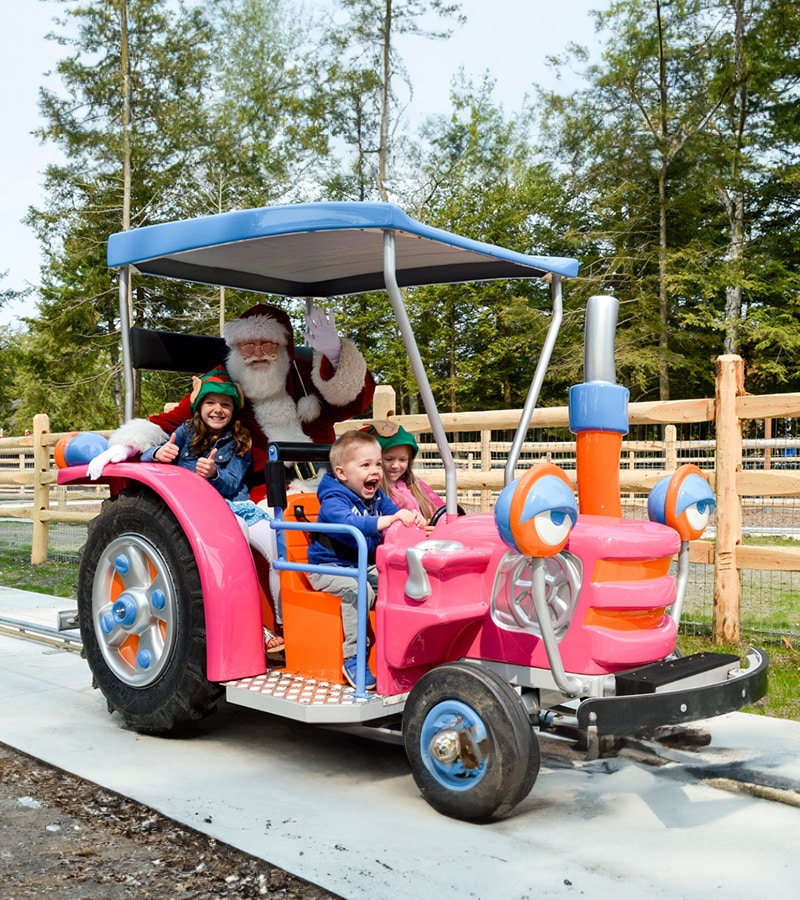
column 132, row 86
column 364, row 80
column 365, row 68
column 673, row 140
column 479, row 177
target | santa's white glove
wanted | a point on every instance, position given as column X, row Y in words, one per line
column 117, row 453
column 321, row 334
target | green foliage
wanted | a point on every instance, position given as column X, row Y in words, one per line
column 672, row 175
column 672, row 138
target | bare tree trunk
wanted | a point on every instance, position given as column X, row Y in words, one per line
column 733, row 199
column 126, row 116
column 663, row 298
column 124, row 63
column 383, row 149
column 451, row 352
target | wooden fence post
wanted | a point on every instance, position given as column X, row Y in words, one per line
column 670, row 447
column 41, row 489
column 727, row 587
column 384, row 402
column 486, row 466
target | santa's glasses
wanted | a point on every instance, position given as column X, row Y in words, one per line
column 263, row 348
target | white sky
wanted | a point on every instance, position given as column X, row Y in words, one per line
column 508, row 38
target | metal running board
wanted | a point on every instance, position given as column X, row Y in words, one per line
column 307, row 700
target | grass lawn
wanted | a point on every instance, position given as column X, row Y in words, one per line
column 52, row 577
column 783, row 696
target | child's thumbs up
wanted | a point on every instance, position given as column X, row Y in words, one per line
column 168, row 452
column 206, row 466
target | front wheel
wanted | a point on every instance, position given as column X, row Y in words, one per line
column 469, row 741
column 140, row 606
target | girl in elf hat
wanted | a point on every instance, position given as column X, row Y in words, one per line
column 216, row 445
column 398, row 449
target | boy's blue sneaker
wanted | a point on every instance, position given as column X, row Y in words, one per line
column 349, row 671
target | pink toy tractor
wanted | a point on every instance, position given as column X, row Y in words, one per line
column 550, row 615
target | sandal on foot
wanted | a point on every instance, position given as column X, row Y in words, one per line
column 273, row 643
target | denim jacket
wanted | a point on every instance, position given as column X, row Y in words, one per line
column 231, row 468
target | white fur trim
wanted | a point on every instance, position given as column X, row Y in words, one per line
column 255, row 328
column 348, row 379
column 309, row 408
column 304, row 486
column 279, row 420
column 139, row 434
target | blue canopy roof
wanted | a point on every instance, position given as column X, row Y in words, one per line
column 318, row 250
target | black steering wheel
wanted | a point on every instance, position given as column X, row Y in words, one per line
column 441, row 511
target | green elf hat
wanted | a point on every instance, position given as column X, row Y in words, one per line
column 217, row 381
column 391, row 434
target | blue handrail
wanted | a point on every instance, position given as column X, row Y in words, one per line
column 359, row 573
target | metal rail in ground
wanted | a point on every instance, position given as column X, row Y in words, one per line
column 43, row 634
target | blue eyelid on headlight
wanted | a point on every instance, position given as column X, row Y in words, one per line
column 551, row 495
column 695, row 491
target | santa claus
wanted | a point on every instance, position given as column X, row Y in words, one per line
column 288, row 397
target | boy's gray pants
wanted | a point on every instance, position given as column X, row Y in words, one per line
column 346, row 587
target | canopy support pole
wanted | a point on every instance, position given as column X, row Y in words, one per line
column 125, row 334
column 537, row 381
column 393, row 289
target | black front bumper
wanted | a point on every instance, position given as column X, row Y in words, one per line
column 630, row 714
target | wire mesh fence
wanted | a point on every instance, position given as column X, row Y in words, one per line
column 65, row 539
column 770, row 600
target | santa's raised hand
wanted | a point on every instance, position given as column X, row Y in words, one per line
column 322, row 336
column 206, row 465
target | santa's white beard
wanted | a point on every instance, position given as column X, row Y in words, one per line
column 265, row 388
column 259, row 382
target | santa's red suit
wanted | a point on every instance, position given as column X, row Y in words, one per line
column 287, row 397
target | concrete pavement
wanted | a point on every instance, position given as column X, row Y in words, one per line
column 345, row 813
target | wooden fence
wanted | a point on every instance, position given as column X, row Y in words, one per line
column 28, row 476
column 481, row 464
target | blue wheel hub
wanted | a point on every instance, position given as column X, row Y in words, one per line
column 135, row 608
column 454, row 744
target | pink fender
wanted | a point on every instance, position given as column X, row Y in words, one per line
column 231, row 598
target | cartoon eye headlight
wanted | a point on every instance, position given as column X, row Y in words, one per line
column 536, row 513
column 684, row 501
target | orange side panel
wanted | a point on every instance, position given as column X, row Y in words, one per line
column 267, row 612
column 630, row 569
column 625, row 619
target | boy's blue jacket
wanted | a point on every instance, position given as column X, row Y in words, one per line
column 338, row 504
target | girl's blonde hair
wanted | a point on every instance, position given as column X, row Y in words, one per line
column 426, row 506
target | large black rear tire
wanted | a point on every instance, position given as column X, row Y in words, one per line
column 140, row 606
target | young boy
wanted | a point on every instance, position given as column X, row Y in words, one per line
column 351, row 495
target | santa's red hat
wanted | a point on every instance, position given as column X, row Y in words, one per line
column 261, row 322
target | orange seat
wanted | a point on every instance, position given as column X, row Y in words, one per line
column 312, row 620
